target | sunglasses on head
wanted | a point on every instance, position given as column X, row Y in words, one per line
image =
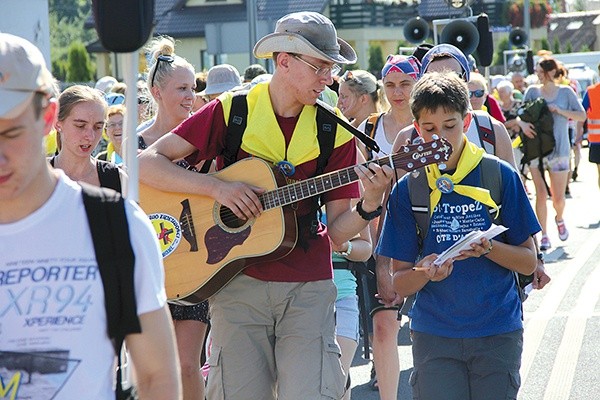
column 476, row 93
column 349, row 76
column 167, row 59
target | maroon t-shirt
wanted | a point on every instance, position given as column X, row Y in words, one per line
column 206, row 130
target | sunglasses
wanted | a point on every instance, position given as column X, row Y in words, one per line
column 476, row 93
column 321, row 71
column 167, row 59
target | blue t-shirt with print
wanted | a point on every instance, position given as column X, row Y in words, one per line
column 480, row 297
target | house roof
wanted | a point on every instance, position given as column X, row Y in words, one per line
column 439, row 9
column 173, row 18
column 564, row 26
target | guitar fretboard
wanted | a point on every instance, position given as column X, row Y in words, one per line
column 408, row 159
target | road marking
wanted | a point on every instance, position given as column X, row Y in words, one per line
column 563, row 370
column 537, row 321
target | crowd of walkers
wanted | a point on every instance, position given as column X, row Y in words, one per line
column 288, row 325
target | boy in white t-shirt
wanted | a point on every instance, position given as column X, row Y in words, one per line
column 53, row 321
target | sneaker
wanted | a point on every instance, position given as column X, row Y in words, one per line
column 563, row 233
column 545, row 243
column 574, row 175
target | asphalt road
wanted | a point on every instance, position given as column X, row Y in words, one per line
column 562, row 322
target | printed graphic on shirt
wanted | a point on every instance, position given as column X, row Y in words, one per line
column 43, row 303
column 450, row 222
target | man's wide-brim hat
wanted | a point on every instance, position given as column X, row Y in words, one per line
column 306, row 33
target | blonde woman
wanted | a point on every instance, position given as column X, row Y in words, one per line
column 114, row 132
column 171, row 83
column 360, row 95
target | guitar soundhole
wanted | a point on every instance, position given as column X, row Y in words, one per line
column 228, row 221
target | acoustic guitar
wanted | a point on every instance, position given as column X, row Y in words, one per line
column 203, row 243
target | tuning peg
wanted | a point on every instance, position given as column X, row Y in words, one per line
column 418, row 140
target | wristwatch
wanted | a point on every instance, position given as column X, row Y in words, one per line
column 367, row 216
column 540, row 256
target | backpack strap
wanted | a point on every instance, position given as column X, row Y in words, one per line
column 414, row 135
column 236, row 125
column 371, row 129
column 418, row 191
column 108, row 174
column 491, row 179
column 326, row 132
column 486, row 133
column 105, row 211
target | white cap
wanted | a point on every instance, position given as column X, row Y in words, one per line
column 222, row 78
column 23, row 72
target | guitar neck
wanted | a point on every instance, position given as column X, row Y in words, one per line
column 408, row 159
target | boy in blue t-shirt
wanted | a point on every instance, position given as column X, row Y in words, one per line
column 466, row 320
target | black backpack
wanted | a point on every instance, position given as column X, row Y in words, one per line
column 491, row 179
column 105, row 209
column 537, row 112
column 108, row 174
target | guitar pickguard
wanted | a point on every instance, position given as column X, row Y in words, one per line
column 219, row 242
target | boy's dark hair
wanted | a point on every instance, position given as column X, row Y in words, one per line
column 252, row 71
column 439, row 89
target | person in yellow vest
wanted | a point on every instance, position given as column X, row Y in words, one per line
column 273, row 332
column 591, row 103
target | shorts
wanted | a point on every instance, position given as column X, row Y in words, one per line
column 475, row 368
column 274, row 337
column 553, row 164
column 197, row 312
column 594, row 155
column 346, row 317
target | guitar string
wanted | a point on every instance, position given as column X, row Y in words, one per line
column 402, row 159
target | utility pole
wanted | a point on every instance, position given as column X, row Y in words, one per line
column 527, row 22
column 251, row 15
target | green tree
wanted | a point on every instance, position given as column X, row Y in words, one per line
column 67, row 25
column 376, row 61
column 569, row 48
column 79, row 66
column 585, row 48
column 579, row 5
column 556, row 45
column 544, row 44
column 59, row 69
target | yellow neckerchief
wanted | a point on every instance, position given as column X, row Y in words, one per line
column 304, row 145
column 110, row 149
column 469, row 159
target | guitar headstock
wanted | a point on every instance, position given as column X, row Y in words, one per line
column 414, row 156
